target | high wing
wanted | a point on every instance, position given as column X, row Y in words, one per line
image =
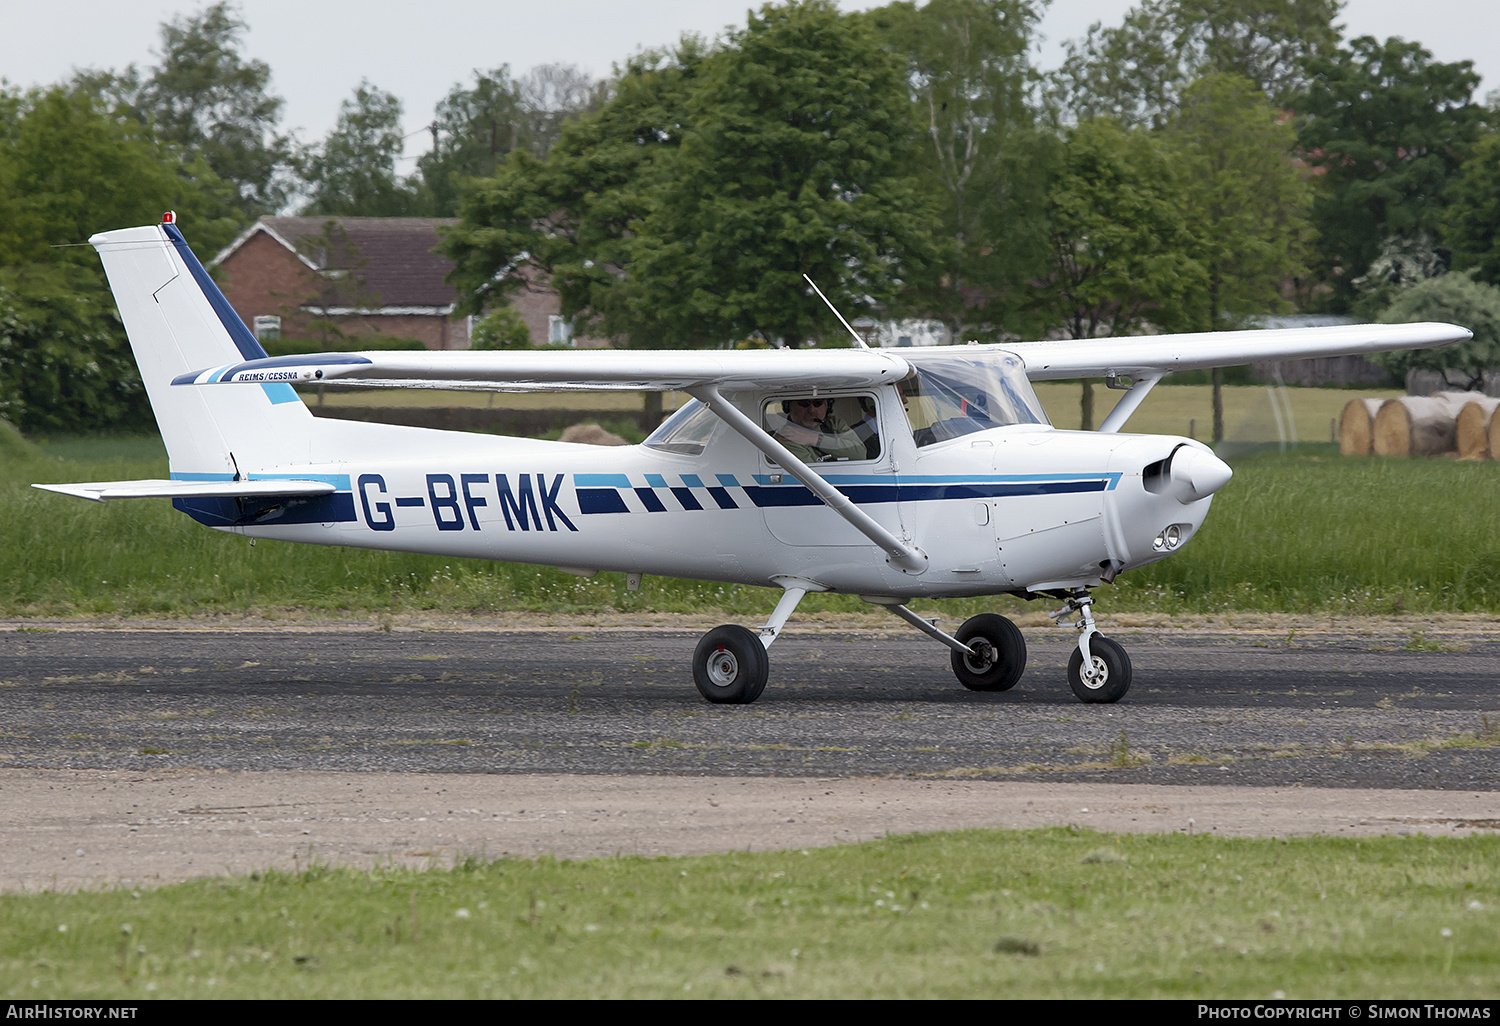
column 103, row 491
column 571, row 370
column 683, row 370
column 1154, row 355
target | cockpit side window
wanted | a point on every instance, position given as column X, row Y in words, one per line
column 825, row 429
column 686, row 432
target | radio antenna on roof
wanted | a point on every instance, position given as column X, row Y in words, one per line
column 857, row 340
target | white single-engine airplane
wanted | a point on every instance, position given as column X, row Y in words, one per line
column 928, row 474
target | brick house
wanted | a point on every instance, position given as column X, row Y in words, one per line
column 299, row 277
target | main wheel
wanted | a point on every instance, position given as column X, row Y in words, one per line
column 730, row 666
column 999, row 654
column 1111, row 672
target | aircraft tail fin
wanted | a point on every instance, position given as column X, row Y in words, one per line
column 179, row 321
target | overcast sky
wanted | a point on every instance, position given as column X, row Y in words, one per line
column 319, row 50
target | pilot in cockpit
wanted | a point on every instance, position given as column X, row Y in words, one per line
column 815, row 434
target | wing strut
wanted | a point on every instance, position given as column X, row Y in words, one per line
column 1127, row 404
column 904, row 557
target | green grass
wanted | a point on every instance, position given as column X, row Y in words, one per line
column 1181, row 409
column 1041, row 914
column 1307, row 531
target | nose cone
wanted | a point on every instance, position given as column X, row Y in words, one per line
column 1196, row 474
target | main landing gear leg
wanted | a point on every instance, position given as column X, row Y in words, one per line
column 988, row 652
column 1099, row 669
column 730, row 664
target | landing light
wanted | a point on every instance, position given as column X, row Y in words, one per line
column 1170, row 537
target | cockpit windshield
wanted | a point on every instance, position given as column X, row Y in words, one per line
column 949, row 394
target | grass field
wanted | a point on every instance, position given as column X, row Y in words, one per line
column 1043, row 914
column 1304, row 531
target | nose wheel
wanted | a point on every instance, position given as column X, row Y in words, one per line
column 1099, row 670
column 1111, row 677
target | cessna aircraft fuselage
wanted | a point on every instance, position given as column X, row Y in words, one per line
column 1022, row 507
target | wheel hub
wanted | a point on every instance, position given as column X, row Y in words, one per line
column 983, row 657
column 1099, row 677
column 723, row 668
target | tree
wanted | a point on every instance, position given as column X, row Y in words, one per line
column 472, row 132
column 1245, row 200
column 979, row 153
column 1137, row 71
column 340, row 287
column 792, row 163
column 65, row 363
column 567, row 222
column 551, row 94
column 1456, row 299
column 1121, row 243
column 685, row 211
column 1387, row 128
column 206, row 99
column 1471, row 224
column 503, row 329
column 353, row 172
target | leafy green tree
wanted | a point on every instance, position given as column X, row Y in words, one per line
column 685, row 211
column 65, row 363
column 1122, row 245
column 70, row 167
column 1471, row 224
column 1388, row 129
column 568, row 222
column 503, row 329
column 979, row 151
column 1137, row 71
column 353, row 172
column 1456, row 299
column 76, row 168
column 792, row 164
column 473, row 129
column 1246, row 201
column 206, row 99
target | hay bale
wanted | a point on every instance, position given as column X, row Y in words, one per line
column 591, row 434
column 1357, row 427
column 1471, row 429
column 1416, row 425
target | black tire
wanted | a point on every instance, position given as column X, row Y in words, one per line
column 1111, row 658
column 730, row 666
column 1001, row 650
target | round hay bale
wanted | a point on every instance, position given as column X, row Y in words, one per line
column 1417, row 425
column 1357, row 427
column 1471, row 429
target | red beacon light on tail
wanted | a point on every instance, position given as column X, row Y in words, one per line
column 170, row 217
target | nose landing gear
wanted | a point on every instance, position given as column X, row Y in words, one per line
column 1099, row 669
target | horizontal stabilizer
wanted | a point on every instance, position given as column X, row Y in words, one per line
column 103, row 491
